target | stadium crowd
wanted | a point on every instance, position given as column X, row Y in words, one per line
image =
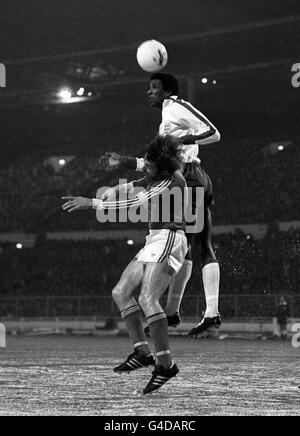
column 266, row 267
column 250, row 186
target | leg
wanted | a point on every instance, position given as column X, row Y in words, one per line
column 283, row 330
column 210, row 273
column 210, row 270
column 177, row 287
column 122, row 293
column 207, row 251
column 210, row 276
column 180, row 280
column 156, row 280
column 131, row 278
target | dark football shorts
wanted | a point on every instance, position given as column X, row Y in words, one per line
column 195, row 176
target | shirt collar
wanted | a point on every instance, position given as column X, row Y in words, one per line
column 169, row 100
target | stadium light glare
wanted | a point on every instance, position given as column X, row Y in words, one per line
column 280, row 147
column 65, row 94
column 80, row 92
column 62, row 162
column 204, row 80
column 214, row 82
column 19, row 246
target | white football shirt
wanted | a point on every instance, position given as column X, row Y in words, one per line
column 181, row 118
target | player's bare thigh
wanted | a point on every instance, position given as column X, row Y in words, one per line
column 156, row 279
column 131, row 278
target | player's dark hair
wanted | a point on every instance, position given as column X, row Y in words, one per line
column 169, row 82
column 163, row 152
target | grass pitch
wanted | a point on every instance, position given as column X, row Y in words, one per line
column 73, row 376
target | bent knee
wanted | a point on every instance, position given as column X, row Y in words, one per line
column 143, row 301
column 117, row 293
column 146, row 301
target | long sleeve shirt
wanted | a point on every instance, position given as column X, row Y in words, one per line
column 165, row 201
column 181, row 118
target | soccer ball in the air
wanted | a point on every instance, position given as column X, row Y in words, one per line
column 152, row 56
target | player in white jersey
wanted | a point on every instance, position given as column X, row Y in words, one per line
column 191, row 128
column 153, row 267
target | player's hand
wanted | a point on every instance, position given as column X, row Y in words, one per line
column 76, row 203
column 110, row 160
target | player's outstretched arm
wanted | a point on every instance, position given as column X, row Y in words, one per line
column 77, row 203
column 112, row 160
column 73, row 204
column 111, row 193
column 208, row 137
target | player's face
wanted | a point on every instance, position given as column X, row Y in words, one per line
column 150, row 168
column 156, row 93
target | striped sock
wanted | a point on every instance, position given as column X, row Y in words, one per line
column 158, row 326
column 132, row 317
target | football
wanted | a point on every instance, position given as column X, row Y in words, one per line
column 152, row 56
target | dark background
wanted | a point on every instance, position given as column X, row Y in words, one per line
column 247, row 47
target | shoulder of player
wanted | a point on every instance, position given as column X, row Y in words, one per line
column 178, row 104
column 178, row 179
column 142, row 182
